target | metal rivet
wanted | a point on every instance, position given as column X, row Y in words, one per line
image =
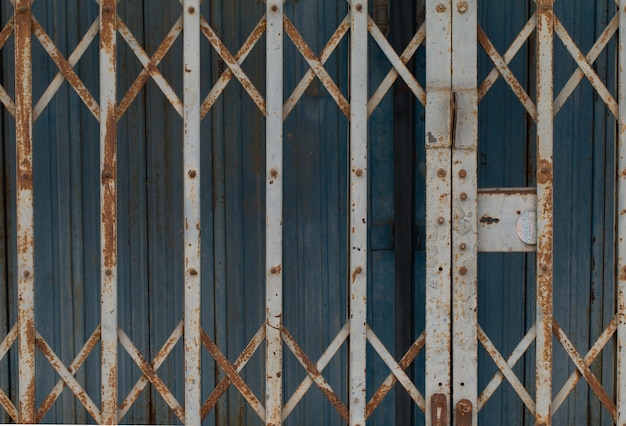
column 544, row 170
column 27, row 274
column 23, row 9
column 462, row 270
column 359, row 172
column 191, row 173
column 108, row 272
column 440, row 8
column 273, row 173
column 191, row 9
column 462, row 173
column 462, row 246
column 358, row 270
column 274, row 8
column 106, row 9
column 192, row 271
column 273, row 269
column 463, row 196
column 441, row 220
column 25, row 176
column 544, row 268
column 441, row 173
column 546, row 7
column 462, row 7
column 359, row 7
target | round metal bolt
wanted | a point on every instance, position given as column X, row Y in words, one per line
column 193, row 271
column 462, row 7
column 191, row 173
column 359, row 7
column 463, row 196
column 544, row 267
column 462, row 246
column 273, row 173
column 358, row 270
column 463, row 270
column 273, row 269
column 23, row 9
column 544, row 170
column 274, row 8
column 107, row 9
column 191, row 9
column 359, row 172
column 441, row 220
column 27, row 274
column 440, row 8
column 462, row 173
column 546, row 7
column 441, row 173
column 108, row 272
column 25, row 176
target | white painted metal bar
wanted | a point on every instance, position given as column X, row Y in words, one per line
column 108, row 210
column 24, row 205
column 191, row 212
column 438, row 210
column 545, row 179
column 465, row 210
column 274, row 214
column 620, row 208
column 358, row 212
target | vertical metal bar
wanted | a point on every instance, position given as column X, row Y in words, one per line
column 464, row 210
column 438, row 209
column 108, row 209
column 545, row 106
column 621, row 222
column 24, row 201
column 274, row 215
column 192, row 196
column 358, row 211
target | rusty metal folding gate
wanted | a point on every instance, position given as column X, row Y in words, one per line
column 461, row 218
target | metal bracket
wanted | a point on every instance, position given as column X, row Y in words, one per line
column 464, row 413
column 439, row 410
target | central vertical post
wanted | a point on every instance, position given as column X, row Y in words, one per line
column 108, row 209
column 274, row 215
column 192, row 197
column 545, row 180
column 464, row 211
column 358, row 211
column 439, row 120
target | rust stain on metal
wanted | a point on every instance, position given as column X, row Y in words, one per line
column 356, row 272
column 109, row 208
column 622, row 273
column 439, row 410
column 315, row 374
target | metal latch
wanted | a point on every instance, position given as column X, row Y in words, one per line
column 464, row 411
column 439, row 410
column 381, row 15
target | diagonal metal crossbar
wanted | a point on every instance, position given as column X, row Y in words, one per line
column 65, row 67
column 584, row 64
column 238, row 365
column 74, row 366
column 584, row 370
column 391, row 379
column 316, row 66
column 233, row 375
column 6, row 344
column 228, row 74
column 507, row 370
column 158, row 360
column 150, row 373
column 68, row 377
column 323, row 361
column 6, row 100
column 593, row 353
column 501, row 64
column 315, row 374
